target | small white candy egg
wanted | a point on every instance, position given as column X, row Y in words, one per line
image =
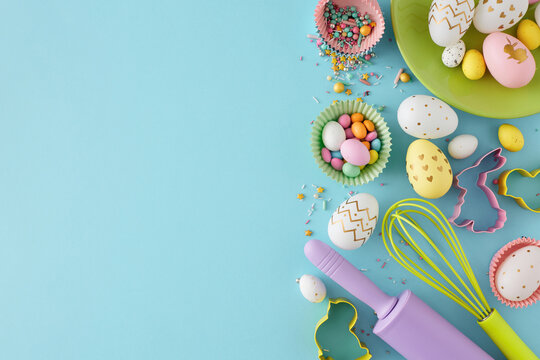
column 462, row 146
column 333, row 135
column 518, row 276
column 312, row 288
column 453, row 54
column 537, row 14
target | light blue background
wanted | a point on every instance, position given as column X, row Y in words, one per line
column 150, row 155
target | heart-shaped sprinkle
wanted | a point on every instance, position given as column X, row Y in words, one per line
column 435, row 157
column 415, row 177
column 421, row 157
column 425, row 167
column 439, row 168
column 446, row 161
column 512, row 8
column 511, row 21
column 502, row 15
column 490, row 9
column 430, row 179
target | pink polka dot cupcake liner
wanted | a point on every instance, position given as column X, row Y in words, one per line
column 332, row 113
column 371, row 7
column 496, row 262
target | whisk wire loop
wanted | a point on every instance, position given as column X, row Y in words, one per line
column 401, row 212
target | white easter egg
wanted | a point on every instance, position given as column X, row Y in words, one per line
column 462, row 146
column 333, row 135
column 537, row 15
column 312, row 288
column 497, row 15
column 354, row 221
column 518, row 276
column 426, row 117
column 453, row 54
column 449, row 20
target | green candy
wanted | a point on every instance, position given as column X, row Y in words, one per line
column 351, row 170
column 353, row 8
column 326, row 14
column 366, row 17
column 347, row 29
column 349, row 34
column 345, row 17
column 355, row 15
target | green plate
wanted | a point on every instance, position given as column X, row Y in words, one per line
column 484, row 97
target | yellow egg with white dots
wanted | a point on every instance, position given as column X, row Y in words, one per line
column 511, row 138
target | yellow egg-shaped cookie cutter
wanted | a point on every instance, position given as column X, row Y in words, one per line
column 336, row 301
column 503, row 187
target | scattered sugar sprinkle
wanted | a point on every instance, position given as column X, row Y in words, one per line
column 301, row 58
column 316, row 100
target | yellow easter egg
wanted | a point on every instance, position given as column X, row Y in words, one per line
column 511, row 138
column 428, row 169
column 473, row 65
column 529, row 34
column 373, row 156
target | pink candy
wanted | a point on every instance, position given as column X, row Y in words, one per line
column 348, row 133
column 344, row 120
column 337, row 163
column 371, row 136
column 355, row 30
column 354, row 152
column 326, row 155
column 355, row 36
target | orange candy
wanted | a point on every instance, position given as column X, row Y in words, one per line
column 357, row 117
column 367, row 144
column 365, row 30
column 369, row 125
column 359, row 130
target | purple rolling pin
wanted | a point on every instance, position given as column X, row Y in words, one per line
column 405, row 322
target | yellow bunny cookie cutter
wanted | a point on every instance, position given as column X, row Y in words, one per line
column 503, row 187
column 331, row 303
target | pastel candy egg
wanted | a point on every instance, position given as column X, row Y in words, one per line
column 462, row 146
column 337, row 164
column 376, row 145
column 344, row 120
column 518, row 276
column 426, row 117
column 371, row 136
column 351, row 170
column 312, row 288
column 355, row 152
column 446, row 30
column 333, row 135
column 336, row 154
column 428, row 170
column 373, row 156
column 326, row 155
column 473, row 65
column 537, row 14
column 508, row 60
column 348, row 133
column 453, row 54
column 370, row 126
column 510, row 137
column 498, row 15
column 359, row 130
column 354, row 221
column 529, row 34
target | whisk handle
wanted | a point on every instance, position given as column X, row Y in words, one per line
column 349, row 277
column 505, row 338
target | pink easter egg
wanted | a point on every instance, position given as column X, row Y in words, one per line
column 355, row 152
column 355, row 36
column 337, row 164
column 348, row 133
column 372, row 135
column 355, row 30
column 344, row 120
column 508, row 60
column 326, row 155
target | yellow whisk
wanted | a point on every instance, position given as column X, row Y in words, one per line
column 463, row 287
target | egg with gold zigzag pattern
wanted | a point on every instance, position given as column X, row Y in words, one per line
column 354, row 221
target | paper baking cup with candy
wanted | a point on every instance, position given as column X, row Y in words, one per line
column 332, row 114
column 514, row 273
column 369, row 7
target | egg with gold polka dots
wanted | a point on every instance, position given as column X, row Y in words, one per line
column 518, row 276
column 426, row 117
column 312, row 288
column 428, row 169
